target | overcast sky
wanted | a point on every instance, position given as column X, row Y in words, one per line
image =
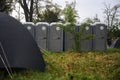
column 85, row 8
column 89, row 8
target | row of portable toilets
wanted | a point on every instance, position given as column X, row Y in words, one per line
column 53, row 38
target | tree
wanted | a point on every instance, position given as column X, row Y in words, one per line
column 96, row 19
column 27, row 6
column 113, row 21
column 48, row 13
column 33, row 8
column 111, row 15
column 88, row 20
column 91, row 20
column 70, row 15
column 5, row 6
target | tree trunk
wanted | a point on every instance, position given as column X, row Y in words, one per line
column 27, row 12
column 31, row 11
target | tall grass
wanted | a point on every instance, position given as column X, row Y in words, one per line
column 76, row 66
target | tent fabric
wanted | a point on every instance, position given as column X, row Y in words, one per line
column 116, row 43
column 20, row 47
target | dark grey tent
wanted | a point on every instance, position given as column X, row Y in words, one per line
column 18, row 49
column 116, row 43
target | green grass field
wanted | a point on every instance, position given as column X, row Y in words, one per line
column 76, row 66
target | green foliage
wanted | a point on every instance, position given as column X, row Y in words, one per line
column 5, row 6
column 114, row 31
column 113, row 21
column 89, row 20
column 77, row 35
column 70, row 15
column 50, row 15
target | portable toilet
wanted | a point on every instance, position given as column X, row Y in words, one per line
column 86, row 44
column 42, row 35
column 100, row 39
column 30, row 27
column 68, row 38
column 55, row 38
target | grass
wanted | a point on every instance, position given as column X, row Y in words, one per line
column 76, row 66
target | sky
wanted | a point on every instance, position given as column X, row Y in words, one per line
column 85, row 8
column 89, row 8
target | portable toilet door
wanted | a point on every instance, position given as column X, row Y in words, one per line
column 55, row 38
column 68, row 39
column 30, row 27
column 86, row 44
column 100, row 40
column 68, row 42
column 42, row 35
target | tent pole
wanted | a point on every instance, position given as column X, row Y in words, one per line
column 6, row 67
column 9, row 70
column 43, row 50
